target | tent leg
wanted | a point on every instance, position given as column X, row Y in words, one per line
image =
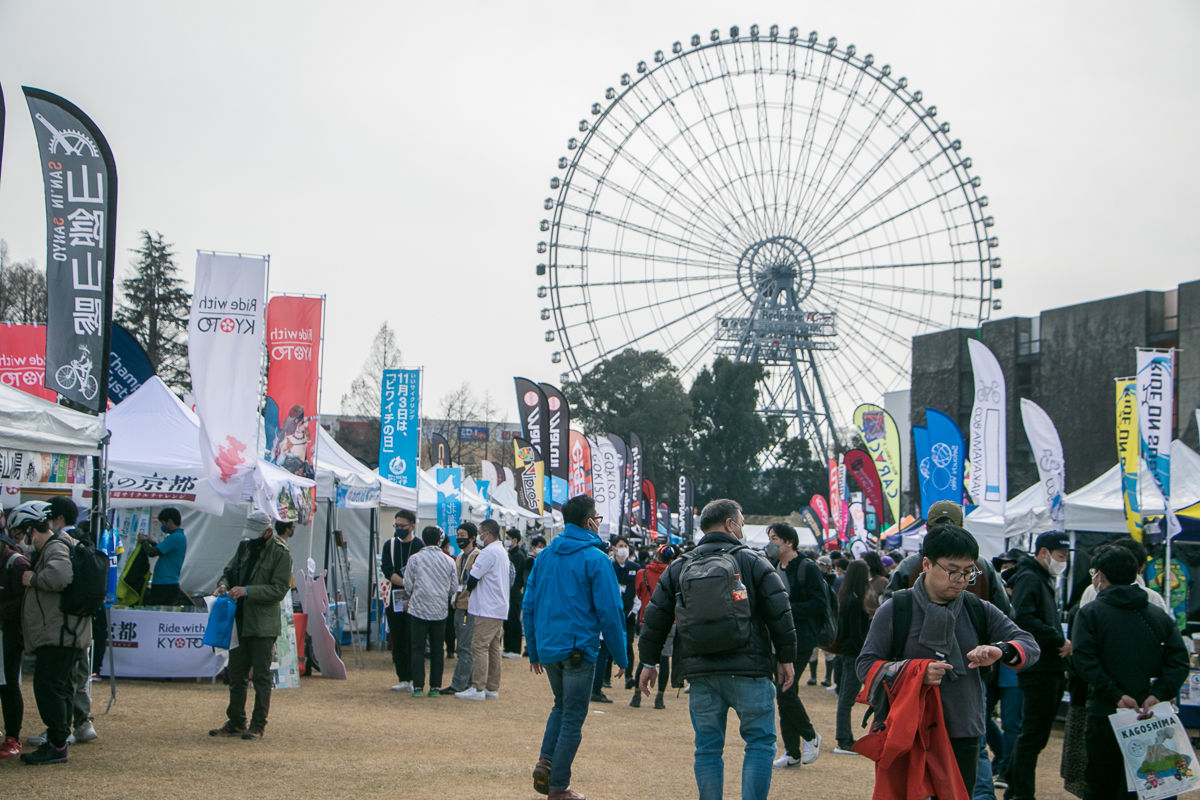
column 112, row 672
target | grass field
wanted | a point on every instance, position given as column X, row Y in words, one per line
column 357, row 739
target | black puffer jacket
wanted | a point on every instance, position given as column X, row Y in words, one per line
column 1036, row 611
column 1123, row 646
column 772, row 620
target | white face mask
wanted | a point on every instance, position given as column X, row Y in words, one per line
column 509, row 545
column 622, row 552
column 479, row 541
column 1057, row 567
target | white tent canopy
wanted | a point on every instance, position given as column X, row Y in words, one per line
column 1099, row 506
column 31, row 423
column 335, row 467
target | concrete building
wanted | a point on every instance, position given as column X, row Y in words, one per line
column 1066, row 360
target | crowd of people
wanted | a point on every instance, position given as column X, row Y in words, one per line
column 732, row 626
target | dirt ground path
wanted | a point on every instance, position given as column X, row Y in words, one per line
column 357, row 739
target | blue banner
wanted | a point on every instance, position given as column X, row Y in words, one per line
column 400, row 430
column 484, row 488
column 129, row 367
column 940, row 460
column 449, row 499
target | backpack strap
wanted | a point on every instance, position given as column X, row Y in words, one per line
column 978, row 615
column 902, row 613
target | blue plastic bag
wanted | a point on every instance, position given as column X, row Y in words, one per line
column 219, row 630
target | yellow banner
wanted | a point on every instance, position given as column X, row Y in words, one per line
column 530, row 480
column 1129, row 453
column 882, row 440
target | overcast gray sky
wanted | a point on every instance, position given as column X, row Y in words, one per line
column 394, row 156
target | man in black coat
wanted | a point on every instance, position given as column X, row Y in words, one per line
column 728, row 659
column 806, row 593
column 1035, row 610
column 1131, row 655
column 512, row 625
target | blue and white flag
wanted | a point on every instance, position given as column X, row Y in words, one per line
column 941, row 466
column 400, row 427
column 484, row 488
column 1156, row 413
column 449, row 498
column 1048, row 454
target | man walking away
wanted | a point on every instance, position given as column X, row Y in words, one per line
column 730, row 607
column 429, row 579
column 1131, row 655
column 488, row 585
column 1035, row 609
column 395, row 554
column 806, row 593
column 464, row 625
column 58, row 640
column 571, row 598
column 257, row 577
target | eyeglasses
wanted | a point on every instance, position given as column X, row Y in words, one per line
column 961, row 575
column 598, row 518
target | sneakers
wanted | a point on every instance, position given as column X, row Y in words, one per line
column 511, row 655
column 658, row 701
column 812, row 749
column 812, row 681
column 403, row 686
column 844, row 751
column 11, row 747
column 434, row 693
column 255, row 732
column 228, row 729
column 832, row 688
column 541, row 776
column 418, row 692
column 39, row 739
column 636, row 700
column 825, row 683
column 600, row 697
column 490, row 695
column 787, row 762
column 85, row 732
column 471, row 694
column 46, row 754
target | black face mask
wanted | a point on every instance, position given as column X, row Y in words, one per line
column 462, row 543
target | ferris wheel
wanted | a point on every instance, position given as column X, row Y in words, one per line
column 771, row 198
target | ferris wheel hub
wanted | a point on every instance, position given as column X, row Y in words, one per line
column 777, row 270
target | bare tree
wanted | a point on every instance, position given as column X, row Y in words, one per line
column 366, row 391
column 22, row 290
column 461, row 407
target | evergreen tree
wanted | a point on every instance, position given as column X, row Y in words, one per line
column 155, row 310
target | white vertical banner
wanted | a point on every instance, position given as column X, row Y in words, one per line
column 225, row 347
column 1048, row 454
column 607, row 483
column 1156, row 414
column 987, row 444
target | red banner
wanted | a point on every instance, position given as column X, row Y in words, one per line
column 818, row 504
column 861, row 467
column 23, row 359
column 651, row 507
column 294, row 358
column 579, row 472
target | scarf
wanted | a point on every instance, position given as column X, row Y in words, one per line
column 938, row 630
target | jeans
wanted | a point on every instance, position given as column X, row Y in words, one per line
column 754, row 701
column 400, row 630
column 1011, row 700
column 1043, row 693
column 571, row 684
column 794, row 723
column 464, row 631
column 433, row 631
column 53, row 690
column 848, row 686
column 81, row 680
column 985, row 786
column 252, row 652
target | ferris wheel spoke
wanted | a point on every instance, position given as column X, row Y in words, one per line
column 694, row 359
column 894, row 287
column 621, row 312
column 939, row 232
column 817, row 224
column 819, row 235
column 680, row 279
column 923, row 323
column 651, row 233
column 910, row 209
column 810, row 130
column 751, row 169
column 768, row 168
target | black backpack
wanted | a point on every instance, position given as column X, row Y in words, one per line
column 712, row 604
column 85, row 594
column 827, row 630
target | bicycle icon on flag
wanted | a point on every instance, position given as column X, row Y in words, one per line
column 78, row 372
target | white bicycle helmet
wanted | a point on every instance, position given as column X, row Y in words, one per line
column 32, row 511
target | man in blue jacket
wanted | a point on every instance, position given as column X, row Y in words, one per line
column 571, row 597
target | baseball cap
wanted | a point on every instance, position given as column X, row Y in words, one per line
column 1052, row 540
column 944, row 511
